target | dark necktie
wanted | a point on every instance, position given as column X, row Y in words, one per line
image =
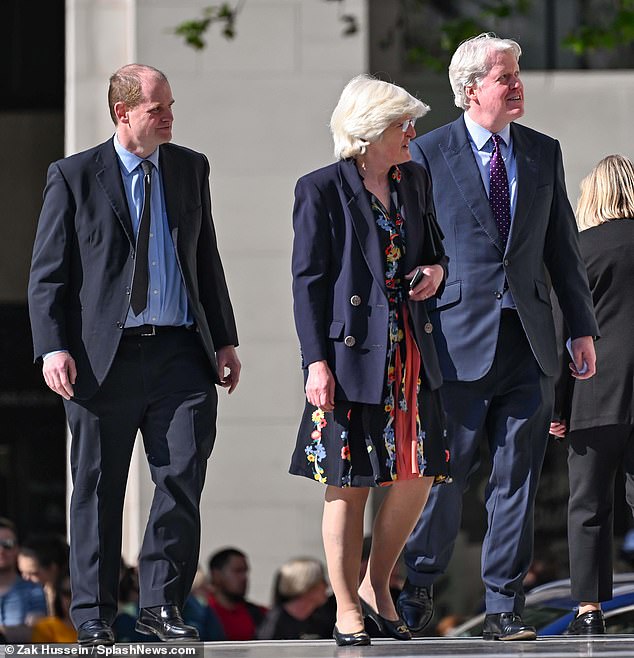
column 138, row 296
column 499, row 196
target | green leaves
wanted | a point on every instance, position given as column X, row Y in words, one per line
column 610, row 32
column 194, row 30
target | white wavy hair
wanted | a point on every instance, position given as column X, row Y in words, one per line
column 473, row 60
column 367, row 107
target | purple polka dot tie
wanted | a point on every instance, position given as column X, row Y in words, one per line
column 499, row 196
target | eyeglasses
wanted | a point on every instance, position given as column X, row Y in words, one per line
column 8, row 543
column 405, row 126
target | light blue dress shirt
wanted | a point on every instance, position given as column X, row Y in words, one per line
column 482, row 147
column 167, row 297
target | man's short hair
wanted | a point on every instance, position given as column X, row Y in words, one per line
column 9, row 525
column 219, row 559
column 126, row 85
column 473, row 60
column 48, row 550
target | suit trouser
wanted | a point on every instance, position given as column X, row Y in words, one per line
column 163, row 386
column 511, row 405
column 594, row 457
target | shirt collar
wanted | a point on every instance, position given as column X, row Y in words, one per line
column 130, row 161
column 481, row 136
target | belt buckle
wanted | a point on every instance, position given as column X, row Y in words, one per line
column 150, row 333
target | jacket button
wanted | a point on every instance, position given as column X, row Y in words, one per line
column 498, row 295
column 429, row 327
column 355, row 300
column 506, row 262
column 119, row 325
column 349, row 341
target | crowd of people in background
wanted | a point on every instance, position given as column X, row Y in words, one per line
column 35, row 596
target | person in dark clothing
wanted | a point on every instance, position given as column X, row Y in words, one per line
column 598, row 414
column 298, row 613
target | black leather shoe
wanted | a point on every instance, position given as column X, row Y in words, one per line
column 507, row 626
column 95, row 632
column 415, row 606
column 358, row 639
column 396, row 629
column 589, row 623
column 166, row 623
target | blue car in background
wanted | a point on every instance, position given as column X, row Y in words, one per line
column 550, row 609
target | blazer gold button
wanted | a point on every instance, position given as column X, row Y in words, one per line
column 429, row 327
column 349, row 341
column 498, row 295
column 355, row 300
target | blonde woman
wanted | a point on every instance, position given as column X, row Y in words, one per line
column 600, row 413
column 367, row 254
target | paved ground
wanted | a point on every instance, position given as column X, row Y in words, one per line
column 621, row 646
column 612, row 647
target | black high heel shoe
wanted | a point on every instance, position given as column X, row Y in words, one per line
column 396, row 629
column 358, row 639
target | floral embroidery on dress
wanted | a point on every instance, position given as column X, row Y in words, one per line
column 394, row 225
column 315, row 450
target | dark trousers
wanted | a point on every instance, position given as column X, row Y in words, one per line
column 161, row 385
column 594, row 457
column 511, row 406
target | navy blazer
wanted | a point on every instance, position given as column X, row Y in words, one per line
column 339, row 291
column 83, row 258
column 542, row 248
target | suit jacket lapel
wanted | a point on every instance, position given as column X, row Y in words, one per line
column 526, row 160
column 363, row 221
column 466, row 174
column 109, row 177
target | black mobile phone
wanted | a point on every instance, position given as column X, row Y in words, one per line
column 415, row 280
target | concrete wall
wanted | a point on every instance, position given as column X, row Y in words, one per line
column 589, row 112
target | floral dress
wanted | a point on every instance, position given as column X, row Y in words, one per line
column 366, row 445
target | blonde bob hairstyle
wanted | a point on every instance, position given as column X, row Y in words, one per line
column 297, row 577
column 367, row 107
column 607, row 192
column 473, row 60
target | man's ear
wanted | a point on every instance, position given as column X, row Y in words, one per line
column 471, row 93
column 121, row 112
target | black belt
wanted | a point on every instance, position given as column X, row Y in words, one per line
column 146, row 330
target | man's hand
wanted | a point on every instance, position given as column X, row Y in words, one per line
column 558, row 428
column 426, row 288
column 60, row 373
column 320, row 386
column 583, row 352
column 229, row 367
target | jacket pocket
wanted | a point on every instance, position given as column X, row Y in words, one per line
column 450, row 296
column 542, row 291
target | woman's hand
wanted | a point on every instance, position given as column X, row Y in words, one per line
column 320, row 386
column 427, row 286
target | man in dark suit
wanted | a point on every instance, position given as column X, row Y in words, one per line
column 509, row 230
column 131, row 315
